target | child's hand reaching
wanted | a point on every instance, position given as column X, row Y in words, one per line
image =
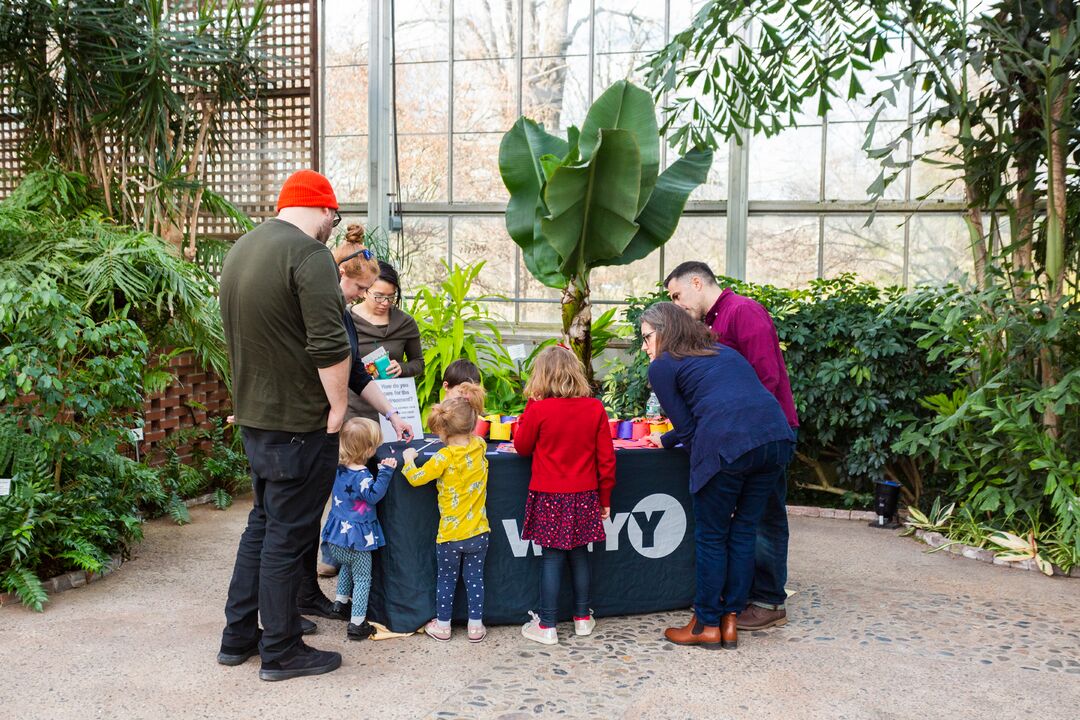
column 605, row 513
column 389, row 462
column 409, row 455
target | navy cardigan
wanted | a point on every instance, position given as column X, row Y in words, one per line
column 719, row 408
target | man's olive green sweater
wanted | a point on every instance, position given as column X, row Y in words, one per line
column 281, row 306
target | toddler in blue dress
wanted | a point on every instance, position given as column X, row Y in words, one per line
column 352, row 528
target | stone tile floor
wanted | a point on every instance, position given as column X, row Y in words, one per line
column 879, row 629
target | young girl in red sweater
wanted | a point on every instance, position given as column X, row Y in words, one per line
column 566, row 431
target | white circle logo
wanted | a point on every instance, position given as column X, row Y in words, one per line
column 657, row 525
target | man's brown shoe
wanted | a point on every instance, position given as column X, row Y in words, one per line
column 695, row 633
column 729, row 636
column 755, row 617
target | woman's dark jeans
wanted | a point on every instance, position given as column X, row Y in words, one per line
column 551, row 577
column 727, row 510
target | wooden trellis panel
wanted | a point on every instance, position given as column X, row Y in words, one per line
column 262, row 147
column 265, row 147
column 10, row 138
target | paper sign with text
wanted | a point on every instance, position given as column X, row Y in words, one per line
column 401, row 392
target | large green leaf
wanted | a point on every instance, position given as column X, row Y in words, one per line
column 592, row 206
column 661, row 214
column 519, row 164
column 540, row 258
column 625, row 106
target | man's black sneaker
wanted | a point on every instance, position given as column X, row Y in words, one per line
column 320, row 606
column 307, row 627
column 359, row 632
column 306, row 661
column 232, row 656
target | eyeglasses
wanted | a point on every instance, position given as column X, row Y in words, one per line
column 379, row 298
column 647, row 336
column 337, row 219
column 363, row 252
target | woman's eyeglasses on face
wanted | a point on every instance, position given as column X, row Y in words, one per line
column 646, row 337
column 379, row 298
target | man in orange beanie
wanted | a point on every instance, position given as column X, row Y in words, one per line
column 282, row 309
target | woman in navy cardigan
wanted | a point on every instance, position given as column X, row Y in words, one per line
column 739, row 442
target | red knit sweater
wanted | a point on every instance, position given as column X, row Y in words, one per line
column 570, row 443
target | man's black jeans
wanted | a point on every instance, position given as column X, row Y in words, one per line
column 292, row 475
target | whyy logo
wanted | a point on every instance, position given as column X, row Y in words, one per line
column 655, row 527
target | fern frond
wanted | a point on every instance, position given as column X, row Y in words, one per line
column 222, row 499
column 178, row 511
column 26, row 585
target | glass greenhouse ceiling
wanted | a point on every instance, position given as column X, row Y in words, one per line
column 467, row 69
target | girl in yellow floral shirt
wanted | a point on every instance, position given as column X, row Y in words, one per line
column 460, row 470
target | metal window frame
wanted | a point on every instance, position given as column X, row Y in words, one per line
column 734, row 211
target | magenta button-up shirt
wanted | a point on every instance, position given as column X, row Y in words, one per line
column 744, row 325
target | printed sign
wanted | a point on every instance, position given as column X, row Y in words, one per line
column 401, row 392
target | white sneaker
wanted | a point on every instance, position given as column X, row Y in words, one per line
column 533, row 631
column 585, row 627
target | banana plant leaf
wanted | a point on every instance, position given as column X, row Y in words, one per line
column 661, row 214
column 522, row 173
column 592, row 205
column 625, row 106
column 522, row 170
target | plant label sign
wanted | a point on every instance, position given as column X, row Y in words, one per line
column 5, row 486
column 401, row 392
column 516, row 352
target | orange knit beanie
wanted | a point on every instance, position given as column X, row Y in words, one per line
column 306, row 188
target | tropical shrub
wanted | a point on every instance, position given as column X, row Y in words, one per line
column 85, row 308
column 47, row 230
column 987, row 434
column 68, row 388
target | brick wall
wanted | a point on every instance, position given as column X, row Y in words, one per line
column 195, row 396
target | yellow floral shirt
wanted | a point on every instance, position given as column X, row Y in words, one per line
column 461, row 475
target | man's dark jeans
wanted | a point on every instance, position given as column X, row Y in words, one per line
column 727, row 510
column 771, row 548
column 292, row 475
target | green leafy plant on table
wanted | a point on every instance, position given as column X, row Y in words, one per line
column 454, row 325
column 597, row 198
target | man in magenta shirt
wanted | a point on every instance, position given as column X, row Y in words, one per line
column 744, row 325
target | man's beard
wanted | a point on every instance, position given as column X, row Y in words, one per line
column 324, row 230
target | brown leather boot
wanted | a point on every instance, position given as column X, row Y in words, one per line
column 696, row 633
column 759, row 618
column 729, row 634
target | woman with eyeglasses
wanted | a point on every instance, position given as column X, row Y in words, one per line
column 379, row 322
column 739, row 443
column 357, row 270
